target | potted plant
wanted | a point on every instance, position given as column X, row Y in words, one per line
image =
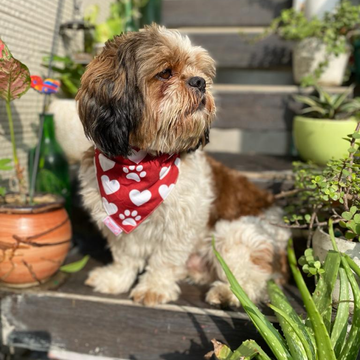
column 322, row 335
column 325, row 121
column 35, row 233
column 321, row 50
column 319, row 7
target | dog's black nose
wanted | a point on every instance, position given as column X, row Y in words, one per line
column 198, row 82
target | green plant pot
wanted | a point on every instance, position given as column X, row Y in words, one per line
column 319, row 140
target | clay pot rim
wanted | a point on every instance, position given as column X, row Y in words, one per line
column 338, row 239
column 52, row 202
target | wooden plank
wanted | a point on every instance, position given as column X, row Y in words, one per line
column 110, row 330
column 234, row 48
column 177, row 13
column 257, row 107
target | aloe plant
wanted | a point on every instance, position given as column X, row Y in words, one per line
column 323, row 333
column 328, row 106
column 14, row 82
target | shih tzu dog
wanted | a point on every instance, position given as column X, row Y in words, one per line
column 146, row 104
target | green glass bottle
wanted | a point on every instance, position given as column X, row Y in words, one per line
column 53, row 170
column 150, row 13
column 131, row 24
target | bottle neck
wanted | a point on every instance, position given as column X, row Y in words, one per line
column 49, row 128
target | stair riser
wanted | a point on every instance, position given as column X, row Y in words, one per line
column 178, row 13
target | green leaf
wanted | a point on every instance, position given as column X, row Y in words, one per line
column 15, row 76
column 356, row 135
column 322, row 294
column 322, row 338
column 357, row 218
column 352, row 344
column 268, row 332
column 347, row 215
column 353, row 210
column 249, row 348
column 339, row 329
column 75, row 266
column 4, row 164
column 301, row 347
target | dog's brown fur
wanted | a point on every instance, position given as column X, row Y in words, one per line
column 235, row 195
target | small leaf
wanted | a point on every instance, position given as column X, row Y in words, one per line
column 309, row 252
column 356, row 135
column 75, row 266
column 353, row 210
column 317, row 264
column 347, row 215
column 349, row 235
column 357, row 218
column 4, row 164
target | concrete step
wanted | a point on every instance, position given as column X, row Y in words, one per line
column 258, row 107
column 255, row 119
column 178, row 13
column 235, row 48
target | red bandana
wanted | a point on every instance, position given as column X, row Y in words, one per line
column 132, row 188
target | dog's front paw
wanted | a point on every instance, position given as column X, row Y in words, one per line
column 110, row 280
column 220, row 294
column 151, row 296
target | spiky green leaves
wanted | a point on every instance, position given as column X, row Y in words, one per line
column 328, row 106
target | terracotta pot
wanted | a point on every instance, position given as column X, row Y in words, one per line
column 34, row 241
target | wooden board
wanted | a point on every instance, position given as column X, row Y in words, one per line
column 74, row 322
column 177, row 13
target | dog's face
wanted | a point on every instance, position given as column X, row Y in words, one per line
column 149, row 90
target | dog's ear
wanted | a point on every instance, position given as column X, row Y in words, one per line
column 110, row 103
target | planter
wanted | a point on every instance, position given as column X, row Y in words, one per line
column 319, row 7
column 34, row 240
column 319, row 140
column 69, row 130
column 322, row 244
column 309, row 53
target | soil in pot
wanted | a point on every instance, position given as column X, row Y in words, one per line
column 319, row 140
column 34, row 239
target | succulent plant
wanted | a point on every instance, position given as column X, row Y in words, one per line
column 323, row 335
column 310, row 263
column 329, row 106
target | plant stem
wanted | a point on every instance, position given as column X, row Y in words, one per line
column 17, row 166
column 12, row 135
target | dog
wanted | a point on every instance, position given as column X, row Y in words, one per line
column 146, row 104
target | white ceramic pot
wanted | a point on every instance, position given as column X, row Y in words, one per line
column 322, row 244
column 68, row 128
column 309, row 53
column 319, row 7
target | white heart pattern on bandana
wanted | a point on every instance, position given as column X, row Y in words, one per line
column 139, row 198
column 164, row 171
column 177, row 162
column 165, row 190
column 110, row 208
column 137, row 156
column 109, row 187
column 105, row 163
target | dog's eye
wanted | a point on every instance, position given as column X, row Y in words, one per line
column 165, row 74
